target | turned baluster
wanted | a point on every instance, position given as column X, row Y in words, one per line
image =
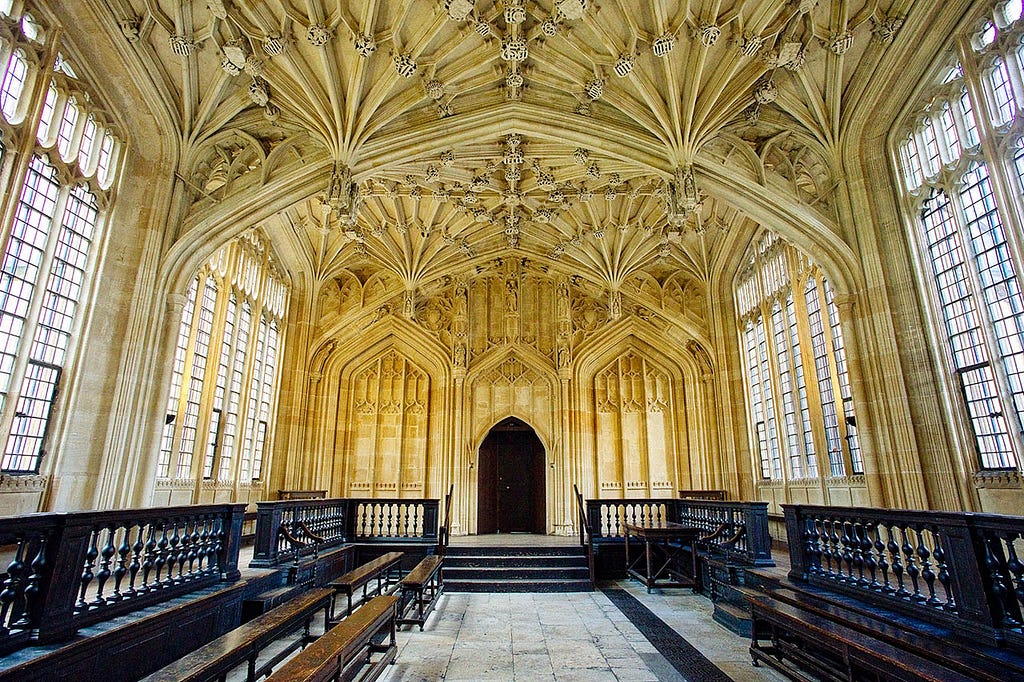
column 994, row 562
column 176, row 555
column 847, row 539
column 192, row 542
column 106, row 555
column 33, row 584
column 834, row 554
column 148, row 563
column 812, row 546
column 12, row 583
column 939, row 555
column 1016, row 569
column 910, row 565
column 867, row 556
column 926, row 568
column 121, row 569
column 203, row 549
column 161, row 557
column 897, row 562
column 883, row 564
column 87, row 574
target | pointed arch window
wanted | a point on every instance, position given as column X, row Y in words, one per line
column 795, row 413
column 224, row 379
column 967, row 225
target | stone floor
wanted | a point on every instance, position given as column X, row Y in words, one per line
column 565, row 637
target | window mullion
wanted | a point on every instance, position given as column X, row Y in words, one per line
column 812, row 389
column 206, row 399
column 775, row 378
column 24, row 352
column 16, row 161
column 985, row 325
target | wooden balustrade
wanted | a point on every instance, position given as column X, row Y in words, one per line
column 68, row 571
column 961, row 569
column 290, row 530
column 743, row 525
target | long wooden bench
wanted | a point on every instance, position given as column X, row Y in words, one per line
column 214, row 660
column 930, row 640
column 804, row 645
column 384, row 568
column 346, row 651
column 420, row 589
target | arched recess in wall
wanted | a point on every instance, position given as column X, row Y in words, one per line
column 377, row 430
column 510, row 381
column 643, row 415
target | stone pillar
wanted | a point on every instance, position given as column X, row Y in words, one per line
column 872, row 471
column 144, row 471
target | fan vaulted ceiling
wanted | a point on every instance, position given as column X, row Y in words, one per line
column 445, row 131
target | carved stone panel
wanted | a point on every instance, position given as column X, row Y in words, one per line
column 634, row 428
column 389, row 404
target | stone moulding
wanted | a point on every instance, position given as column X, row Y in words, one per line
column 23, row 483
column 998, row 479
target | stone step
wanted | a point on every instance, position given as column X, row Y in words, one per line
column 501, row 573
column 517, row 569
column 558, row 550
column 512, row 561
column 546, row 585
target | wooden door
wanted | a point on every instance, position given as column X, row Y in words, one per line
column 511, row 480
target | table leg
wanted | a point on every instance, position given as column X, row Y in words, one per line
column 647, row 550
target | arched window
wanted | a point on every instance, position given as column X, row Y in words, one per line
column 969, row 269
column 224, row 377
column 13, row 84
column 46, row 262
column 789, row 320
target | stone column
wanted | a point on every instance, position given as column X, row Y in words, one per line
column 143, row 473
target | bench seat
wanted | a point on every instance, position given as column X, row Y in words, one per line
column 988, row 663
column 346, row 651
column 805, row 645
column 420, row 589
column 384, row 568
column 243, row 644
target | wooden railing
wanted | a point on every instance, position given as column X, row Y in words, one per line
column 742, row 527
column 290, row 530
column 586, row 533
column 444, row 533
column 964, row 570
column 67, row 571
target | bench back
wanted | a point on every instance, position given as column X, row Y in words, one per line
column 216, row 658
column 327, row 657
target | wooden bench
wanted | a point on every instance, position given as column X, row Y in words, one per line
column 420, row 589
column 930, row 640
column 214, row 660
column 345, row 652
column 384, row 568
column 804, row 645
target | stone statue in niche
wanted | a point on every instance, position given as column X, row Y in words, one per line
column 460, row 355
column 511, row 297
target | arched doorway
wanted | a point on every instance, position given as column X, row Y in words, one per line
column 511, row 480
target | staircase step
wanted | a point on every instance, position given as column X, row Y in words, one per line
column 516, row 573
column 544, row 560
column 517, row 569
column 558, row 550
column 543, row 585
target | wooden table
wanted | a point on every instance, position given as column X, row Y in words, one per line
column 658, row 565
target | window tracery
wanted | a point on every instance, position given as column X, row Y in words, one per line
column 962, row 165
column 59, row 212
column 224, row 373
column 801, row 420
